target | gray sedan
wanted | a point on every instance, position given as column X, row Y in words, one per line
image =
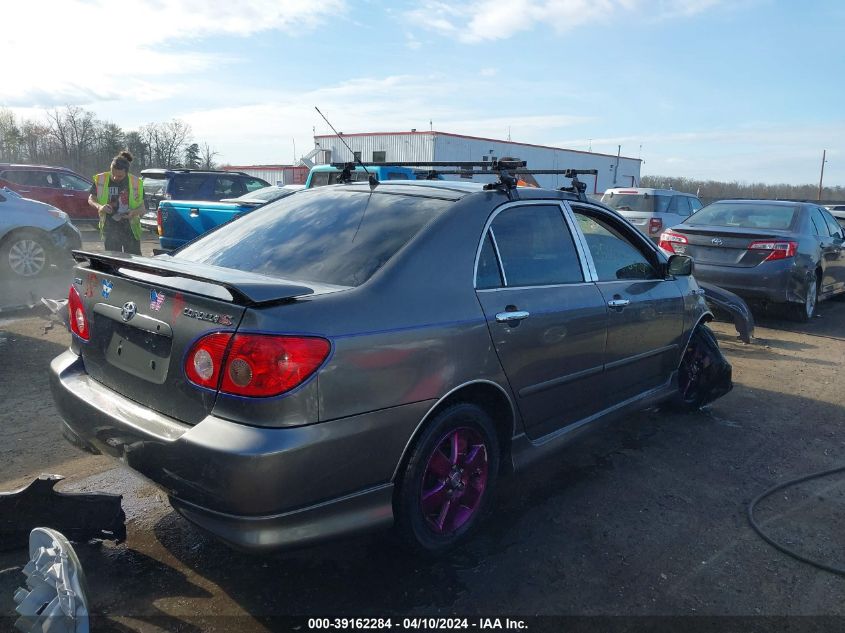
column 348, row 358
column 775, row 252
column 33, row 235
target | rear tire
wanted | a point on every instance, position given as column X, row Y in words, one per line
column 25, row 255
column 804, row 312
column 449, row 479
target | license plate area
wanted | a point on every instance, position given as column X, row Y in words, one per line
column 140, row 353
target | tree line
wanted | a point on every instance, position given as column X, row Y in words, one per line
column 709, row 190
column 75, row 138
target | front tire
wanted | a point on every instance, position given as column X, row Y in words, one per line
column 704, row 374
column 25, row 255
column 448, row 481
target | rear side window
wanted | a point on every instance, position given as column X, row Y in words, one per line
column 535, row 246
column 333, row 236
column 749, row 216
column 679, row 205
column 185, row 186
column 488, row 275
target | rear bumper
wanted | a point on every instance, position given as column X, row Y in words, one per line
column 255, row 488
column 777, row 282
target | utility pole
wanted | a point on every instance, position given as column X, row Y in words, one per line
column 821, row 178
column 616, row 169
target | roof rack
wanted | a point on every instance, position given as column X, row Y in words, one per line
column 506, row 169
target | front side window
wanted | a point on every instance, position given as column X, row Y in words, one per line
column 330, row 235
column 536, row 246
column 615, row 255
column 832, row 225
column 253, row 184
column 69, row 181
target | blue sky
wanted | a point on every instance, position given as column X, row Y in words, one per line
column 748, row 90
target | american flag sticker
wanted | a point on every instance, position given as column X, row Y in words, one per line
column 156, row 299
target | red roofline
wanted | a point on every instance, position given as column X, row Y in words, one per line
column 233, row 167
column 476, row 138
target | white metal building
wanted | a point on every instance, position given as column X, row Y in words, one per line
column 274, row 174
column 614, row 171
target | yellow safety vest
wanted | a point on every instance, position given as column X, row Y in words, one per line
column 136, row 199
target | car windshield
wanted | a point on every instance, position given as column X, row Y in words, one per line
column 750, row 216
column 331, row 236
column 154, row 186
column 644, row 202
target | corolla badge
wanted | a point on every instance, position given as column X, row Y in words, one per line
column 128, row 310
column 716, row 241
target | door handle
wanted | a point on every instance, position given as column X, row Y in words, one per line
column 195, row 213
column 25, row 190
column 507, row 317
column 69, row 195
column 618, row 303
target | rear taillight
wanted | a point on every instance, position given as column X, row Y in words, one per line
column 76, row 315
column 655, row 225
column 254, row 365
column 776, row 250
column 668, row 239
column 204, row 362
column 158, row 222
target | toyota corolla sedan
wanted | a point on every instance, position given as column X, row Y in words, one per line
column 787, row 253
column 353, row 357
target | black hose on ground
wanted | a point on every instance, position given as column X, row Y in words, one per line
column 783, row 548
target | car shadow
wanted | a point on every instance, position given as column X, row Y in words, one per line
column 549, row 526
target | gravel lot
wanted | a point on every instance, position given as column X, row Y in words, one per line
column 642, row 518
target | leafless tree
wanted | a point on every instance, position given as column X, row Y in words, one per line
column 207, row 157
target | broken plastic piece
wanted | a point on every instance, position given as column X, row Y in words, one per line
column 733, row 305
column 80, row 516
column 55, row 597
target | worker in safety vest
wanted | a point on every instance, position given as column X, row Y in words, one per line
column 118, row 197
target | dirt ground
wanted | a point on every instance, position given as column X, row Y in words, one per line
column 646, row 517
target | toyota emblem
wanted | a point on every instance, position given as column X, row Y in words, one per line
column 128, row 310
column 716, row 241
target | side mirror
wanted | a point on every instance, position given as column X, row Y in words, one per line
column 680, row 265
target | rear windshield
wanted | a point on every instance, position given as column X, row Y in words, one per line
column 154, row 186
column 748, row 216
column 331, row 236
column 643, row 202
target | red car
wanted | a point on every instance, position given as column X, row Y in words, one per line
column 60, row 187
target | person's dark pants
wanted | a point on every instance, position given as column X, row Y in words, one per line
column 117, row 236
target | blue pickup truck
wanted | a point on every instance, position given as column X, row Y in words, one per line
column 180, row 221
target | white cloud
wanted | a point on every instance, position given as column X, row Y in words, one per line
column 263, row 132
column 482, row 20
column 78, row 51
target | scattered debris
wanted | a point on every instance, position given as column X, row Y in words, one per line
column 80, row 516
column 55, row 597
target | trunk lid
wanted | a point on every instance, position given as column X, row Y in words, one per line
column 146, row 313
column 726, row 246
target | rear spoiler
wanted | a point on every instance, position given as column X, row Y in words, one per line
column 244, row 288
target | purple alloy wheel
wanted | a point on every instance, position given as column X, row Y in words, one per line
column 454, row 480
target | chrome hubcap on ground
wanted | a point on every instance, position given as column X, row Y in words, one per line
column 454, row 480
column 27, row 258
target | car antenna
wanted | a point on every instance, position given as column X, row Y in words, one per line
column 346, row 174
